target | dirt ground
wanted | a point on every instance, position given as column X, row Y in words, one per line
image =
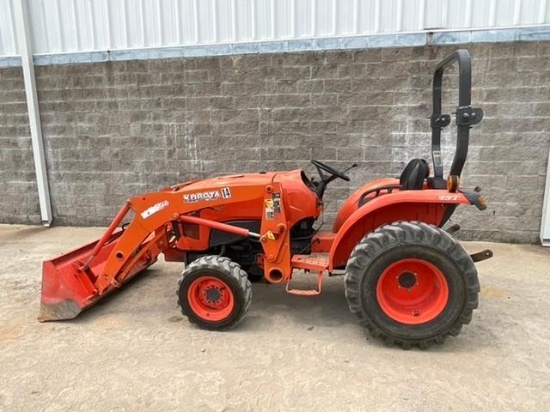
column 136, row 352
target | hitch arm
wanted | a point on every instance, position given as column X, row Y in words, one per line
column 483, row 255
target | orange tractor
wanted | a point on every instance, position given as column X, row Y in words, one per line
column 408, row 281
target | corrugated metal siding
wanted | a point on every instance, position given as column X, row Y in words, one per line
column 66, row 26
column 8, row 43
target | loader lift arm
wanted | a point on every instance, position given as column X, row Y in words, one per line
column 151, row 239
column 77, row 280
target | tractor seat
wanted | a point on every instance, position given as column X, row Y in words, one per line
column 414, row 174
column 412, row 178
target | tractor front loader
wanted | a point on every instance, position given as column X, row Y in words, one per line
column 407, row 280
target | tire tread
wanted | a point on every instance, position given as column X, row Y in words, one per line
column 407, row 233
column 230, row 268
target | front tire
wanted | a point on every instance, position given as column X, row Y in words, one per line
column 214, row 293
column 411, row 284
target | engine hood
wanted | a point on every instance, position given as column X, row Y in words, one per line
column 249, row 179
column 243, row 194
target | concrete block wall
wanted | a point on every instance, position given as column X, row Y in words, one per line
column 18, row 190
column 117, row 129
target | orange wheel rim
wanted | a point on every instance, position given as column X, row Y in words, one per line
column 210, row 298
column 412, row 291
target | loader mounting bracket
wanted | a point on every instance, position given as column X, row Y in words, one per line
column 468, row 116
column 440, row 121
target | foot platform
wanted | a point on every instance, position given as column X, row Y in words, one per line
column 317, row 264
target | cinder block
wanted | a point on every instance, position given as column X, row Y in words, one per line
column 116, row 129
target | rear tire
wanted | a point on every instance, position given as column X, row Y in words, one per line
column 214, row 293
column 411, row 284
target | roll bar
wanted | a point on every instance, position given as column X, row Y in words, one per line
column 466, row 116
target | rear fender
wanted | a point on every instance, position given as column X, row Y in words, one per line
column 429, row 206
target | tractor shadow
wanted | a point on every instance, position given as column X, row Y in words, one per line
column 151, row 294
column 274, row 309
column 272, row 304
column 131, row 299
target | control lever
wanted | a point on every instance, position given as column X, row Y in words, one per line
column 349, row 168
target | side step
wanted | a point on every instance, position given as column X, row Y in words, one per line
column 317, row 264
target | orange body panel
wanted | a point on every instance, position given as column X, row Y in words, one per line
column 428, row 206
column 352, row 202
column 247, row 201
column 322, row 242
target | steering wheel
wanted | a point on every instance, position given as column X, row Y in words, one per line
column 329, row 169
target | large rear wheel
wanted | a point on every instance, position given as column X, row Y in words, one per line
column 411, row 284
column 214, row 293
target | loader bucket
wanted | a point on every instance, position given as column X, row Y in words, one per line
column 68, row 289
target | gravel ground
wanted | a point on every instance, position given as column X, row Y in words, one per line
column 135, row 351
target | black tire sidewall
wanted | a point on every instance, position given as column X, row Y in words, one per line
column 233, row 284
column 437, row 326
